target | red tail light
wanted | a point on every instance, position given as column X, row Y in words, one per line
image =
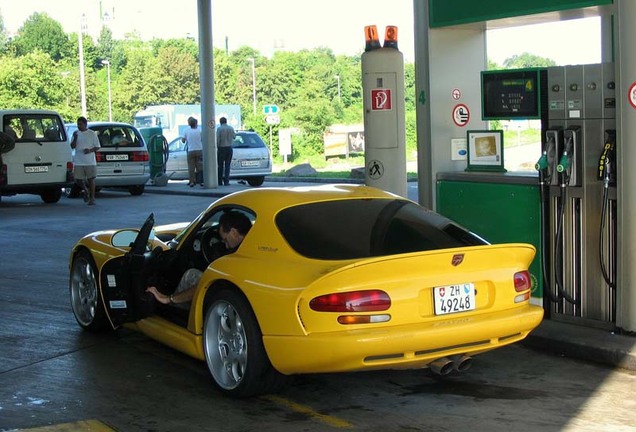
column 522, row 281
column 356, row 301
column 70, row 177
column 140, row 156
column 99, row 157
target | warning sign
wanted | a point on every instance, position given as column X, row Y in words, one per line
column 461, row 115
column 456, row 94
column 381, row 100
column 632, row 95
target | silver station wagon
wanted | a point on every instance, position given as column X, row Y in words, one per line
column 251, row 160
column 122, row 161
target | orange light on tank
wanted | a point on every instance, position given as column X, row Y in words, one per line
column 391, row 37
column 371, row 38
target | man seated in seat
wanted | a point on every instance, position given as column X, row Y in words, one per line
column 233, row 227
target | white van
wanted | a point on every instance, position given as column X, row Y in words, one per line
column 39, row 161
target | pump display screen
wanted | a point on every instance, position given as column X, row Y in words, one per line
column 511, row 94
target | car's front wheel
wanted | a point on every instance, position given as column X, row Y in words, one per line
column 85, row 300
column 233, row 347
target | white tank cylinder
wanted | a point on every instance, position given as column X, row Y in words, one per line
column 384, row 119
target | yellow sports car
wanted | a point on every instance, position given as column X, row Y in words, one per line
column 332, row 278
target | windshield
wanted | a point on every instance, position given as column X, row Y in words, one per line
column 363, row 228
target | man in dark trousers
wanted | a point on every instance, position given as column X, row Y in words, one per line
column 224, row 137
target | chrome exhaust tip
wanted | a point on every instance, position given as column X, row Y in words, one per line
column 461, row 362
column 441, row 366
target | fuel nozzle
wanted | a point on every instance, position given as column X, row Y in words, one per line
column 564, row 163
column 542, row 163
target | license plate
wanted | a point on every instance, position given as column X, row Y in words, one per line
column 116, row 157
column 36, row 169
column 454, row 298
column 250, row 163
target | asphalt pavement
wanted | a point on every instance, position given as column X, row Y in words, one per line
column 600, row 345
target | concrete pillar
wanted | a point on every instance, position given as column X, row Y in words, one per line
column 423, row 105
column 206, row 72
column 625, row 36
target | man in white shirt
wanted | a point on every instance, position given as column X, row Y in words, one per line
column 192, row 136
column 86, row 144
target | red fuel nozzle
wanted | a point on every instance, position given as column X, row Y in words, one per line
column 372, row 41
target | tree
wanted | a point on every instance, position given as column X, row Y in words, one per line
column 41, row 32
column 176, row 76
column 527, row 60
column 3, row 36
column 32, row 81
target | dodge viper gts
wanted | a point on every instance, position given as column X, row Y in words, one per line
column 332, row 278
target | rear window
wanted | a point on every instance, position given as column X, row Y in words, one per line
column 117, row 136
column 363, row 228
column 34, row 127
column 247, row 140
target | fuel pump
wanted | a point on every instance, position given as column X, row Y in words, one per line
column 546, row 166
column 607, row 174
column 566, row 170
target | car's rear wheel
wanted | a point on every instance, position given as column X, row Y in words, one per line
column 233, row 347
column 51, row 196
column 85, row 300
column 256, row 181
column 136, row 190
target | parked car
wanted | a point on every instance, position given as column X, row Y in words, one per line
column 251, row 160
column 331, row 278
column 123, row 160
column 35, row 157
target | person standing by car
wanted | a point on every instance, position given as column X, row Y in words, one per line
column 233, row 227
column 224, row 137
column 192, row 137
column 85, row 143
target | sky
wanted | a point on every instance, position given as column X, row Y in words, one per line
column 297, row 24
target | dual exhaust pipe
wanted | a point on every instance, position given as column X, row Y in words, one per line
column 445, row 365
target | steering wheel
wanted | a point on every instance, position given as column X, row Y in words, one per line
column 211, row 244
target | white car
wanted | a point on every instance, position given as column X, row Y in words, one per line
column 251, row 160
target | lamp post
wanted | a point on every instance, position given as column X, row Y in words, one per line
column 251, row 60
column 110, row 98
column 338, row 78
column 80, row 45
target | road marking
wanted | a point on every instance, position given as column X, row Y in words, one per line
column 80, row 426
column 329, row 420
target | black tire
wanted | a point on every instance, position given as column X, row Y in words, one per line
column 51, row 196
column 136, row 190
column 256, row 181
column 233, row 348
column 84, row 291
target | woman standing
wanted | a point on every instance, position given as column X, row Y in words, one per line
column 192, row 137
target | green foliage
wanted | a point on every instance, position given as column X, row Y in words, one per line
column 314, row 89
column 527, row 60
column 3, row 36
column 41, row 32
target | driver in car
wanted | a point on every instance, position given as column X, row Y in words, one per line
column 233, row 227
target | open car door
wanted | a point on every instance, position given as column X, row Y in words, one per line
column 123, row 280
